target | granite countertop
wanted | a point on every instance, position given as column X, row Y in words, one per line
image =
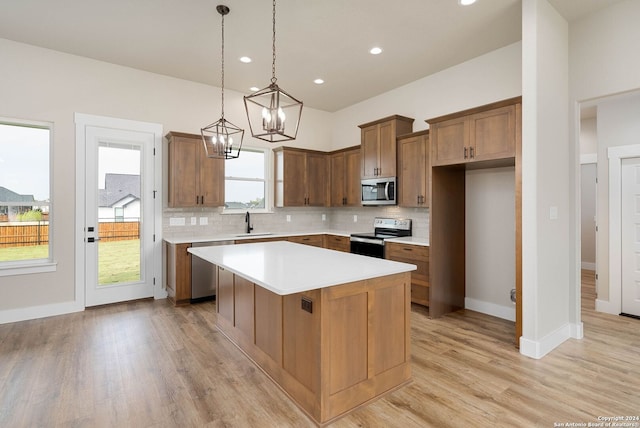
column 286, row 268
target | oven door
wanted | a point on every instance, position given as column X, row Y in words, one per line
column 367, row 247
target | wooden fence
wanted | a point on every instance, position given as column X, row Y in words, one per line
column 32, row 233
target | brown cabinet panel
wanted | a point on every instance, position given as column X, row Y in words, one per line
column 494, row 134
column 243, row 310
column 415, row 255
column 344, row 167
column 314, row 240
column 178, row 273
column 254, row 240
column 450, row 141
column 388, row 348
column 193, row 178
column 268, row 320
column 337, row 170
column 413, row 170
column 301, row 178
column 378, row 145
column 225, row 295
column 338, row 243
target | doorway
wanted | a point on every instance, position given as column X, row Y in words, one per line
column 118, row 207
column 630, row 234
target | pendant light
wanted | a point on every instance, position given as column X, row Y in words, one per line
column 222, row 139
column 273, row 114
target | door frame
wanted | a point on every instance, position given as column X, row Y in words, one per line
column 83, row 121
column 615, row 155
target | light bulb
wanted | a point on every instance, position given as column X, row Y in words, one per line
column 281, row 114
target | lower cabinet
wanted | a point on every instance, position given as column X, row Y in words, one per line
column 314, row 240
column 178, row 274
column 338, row 243
column 416, row 255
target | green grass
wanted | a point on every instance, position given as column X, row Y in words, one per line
column 119, row 261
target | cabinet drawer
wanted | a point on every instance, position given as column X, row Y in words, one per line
column 315, row 240
column 338, row 243
column 420, row 294
column 414, row 254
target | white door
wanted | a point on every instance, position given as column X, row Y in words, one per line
column 630, row 224
column 119, row 215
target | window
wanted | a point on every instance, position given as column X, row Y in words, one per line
column 246, row 181
column 25, row 194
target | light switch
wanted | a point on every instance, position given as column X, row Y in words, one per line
column 204, row 221
column 324, row 217
column 193, row 221
column 288, row 218
column 355, row 218
column 176, row 221
column 553, row 213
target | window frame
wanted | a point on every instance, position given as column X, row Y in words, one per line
column 31, row 266
column 268, row 182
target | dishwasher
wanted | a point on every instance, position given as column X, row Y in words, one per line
column 203, row 274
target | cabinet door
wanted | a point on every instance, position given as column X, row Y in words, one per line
column 369, row 151
column 418, row 256
column 387, row 149
column 316, row 180
column 225, row 295
column 183, row 175
column 294, row 179
column 412, row 172
column 493, row 134
column 449, row 142
column 338, row 175
column 352, row 178
column 211, row 180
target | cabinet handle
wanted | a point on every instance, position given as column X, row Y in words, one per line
column 465, row 153
column 407, row 249
column 202, row 199
column 471, row 152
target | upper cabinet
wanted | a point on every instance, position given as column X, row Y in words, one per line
column 477, row 135
column 345, row 177
column 301, row 178
column 413, row 170
column 194, row 179
column 378, row 145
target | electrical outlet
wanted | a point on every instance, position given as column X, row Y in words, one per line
column 324, row 217
column 307, row 305
column 288, row 218
column 193, row 221
column 176, row 221
column 355, row 218
column 204, row 221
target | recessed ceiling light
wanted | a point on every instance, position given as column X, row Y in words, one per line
column 247, row 60
column 466, row 2
column 375, row 51
column 254, row 88
column 318, row 81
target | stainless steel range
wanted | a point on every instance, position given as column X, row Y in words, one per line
column 372, row 244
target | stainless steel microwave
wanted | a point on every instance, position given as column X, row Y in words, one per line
column 379, row 191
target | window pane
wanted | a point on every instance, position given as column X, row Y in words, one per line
column 24, row 192
column 244, row 194
column 248, row 165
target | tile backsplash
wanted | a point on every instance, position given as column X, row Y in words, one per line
column 200, row 221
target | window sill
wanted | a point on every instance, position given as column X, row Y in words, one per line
column 28, row 268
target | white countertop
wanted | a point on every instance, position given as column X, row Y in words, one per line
column 189, row 238
column 285, row 267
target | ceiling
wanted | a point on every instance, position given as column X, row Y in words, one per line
column 327, row 39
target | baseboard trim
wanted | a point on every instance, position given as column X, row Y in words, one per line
column 607, row 307
column 35, row 312
column 499, row 311
column 538, row 349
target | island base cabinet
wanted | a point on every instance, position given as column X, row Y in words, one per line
column 332, row 349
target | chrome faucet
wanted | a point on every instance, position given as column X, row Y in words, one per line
column 247, row 219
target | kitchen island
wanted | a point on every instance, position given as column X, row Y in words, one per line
column 330, row 328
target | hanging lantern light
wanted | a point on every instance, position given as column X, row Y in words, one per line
column 273, row 114
column 222, row 139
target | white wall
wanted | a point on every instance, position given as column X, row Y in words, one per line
column 587, row 215
column 545, row 180
column 490, row 238
column 482, row 80
column 46, row 85
column 588, row 136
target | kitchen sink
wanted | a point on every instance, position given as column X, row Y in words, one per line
column 242, row 235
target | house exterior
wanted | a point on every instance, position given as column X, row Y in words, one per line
column 556, row 67
column 120, row 198
column 10, row 211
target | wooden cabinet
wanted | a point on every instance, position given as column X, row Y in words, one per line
column 194, row 179
column 254, row 240
column 338, row 243
column 314, row 240
column 416, row 255
column 301, row 178
column 476, row 137
column 413, row 170
column 345, row 169
column 178, row 274
column 378, row 145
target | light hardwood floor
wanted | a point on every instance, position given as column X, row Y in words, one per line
column 148, row 364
